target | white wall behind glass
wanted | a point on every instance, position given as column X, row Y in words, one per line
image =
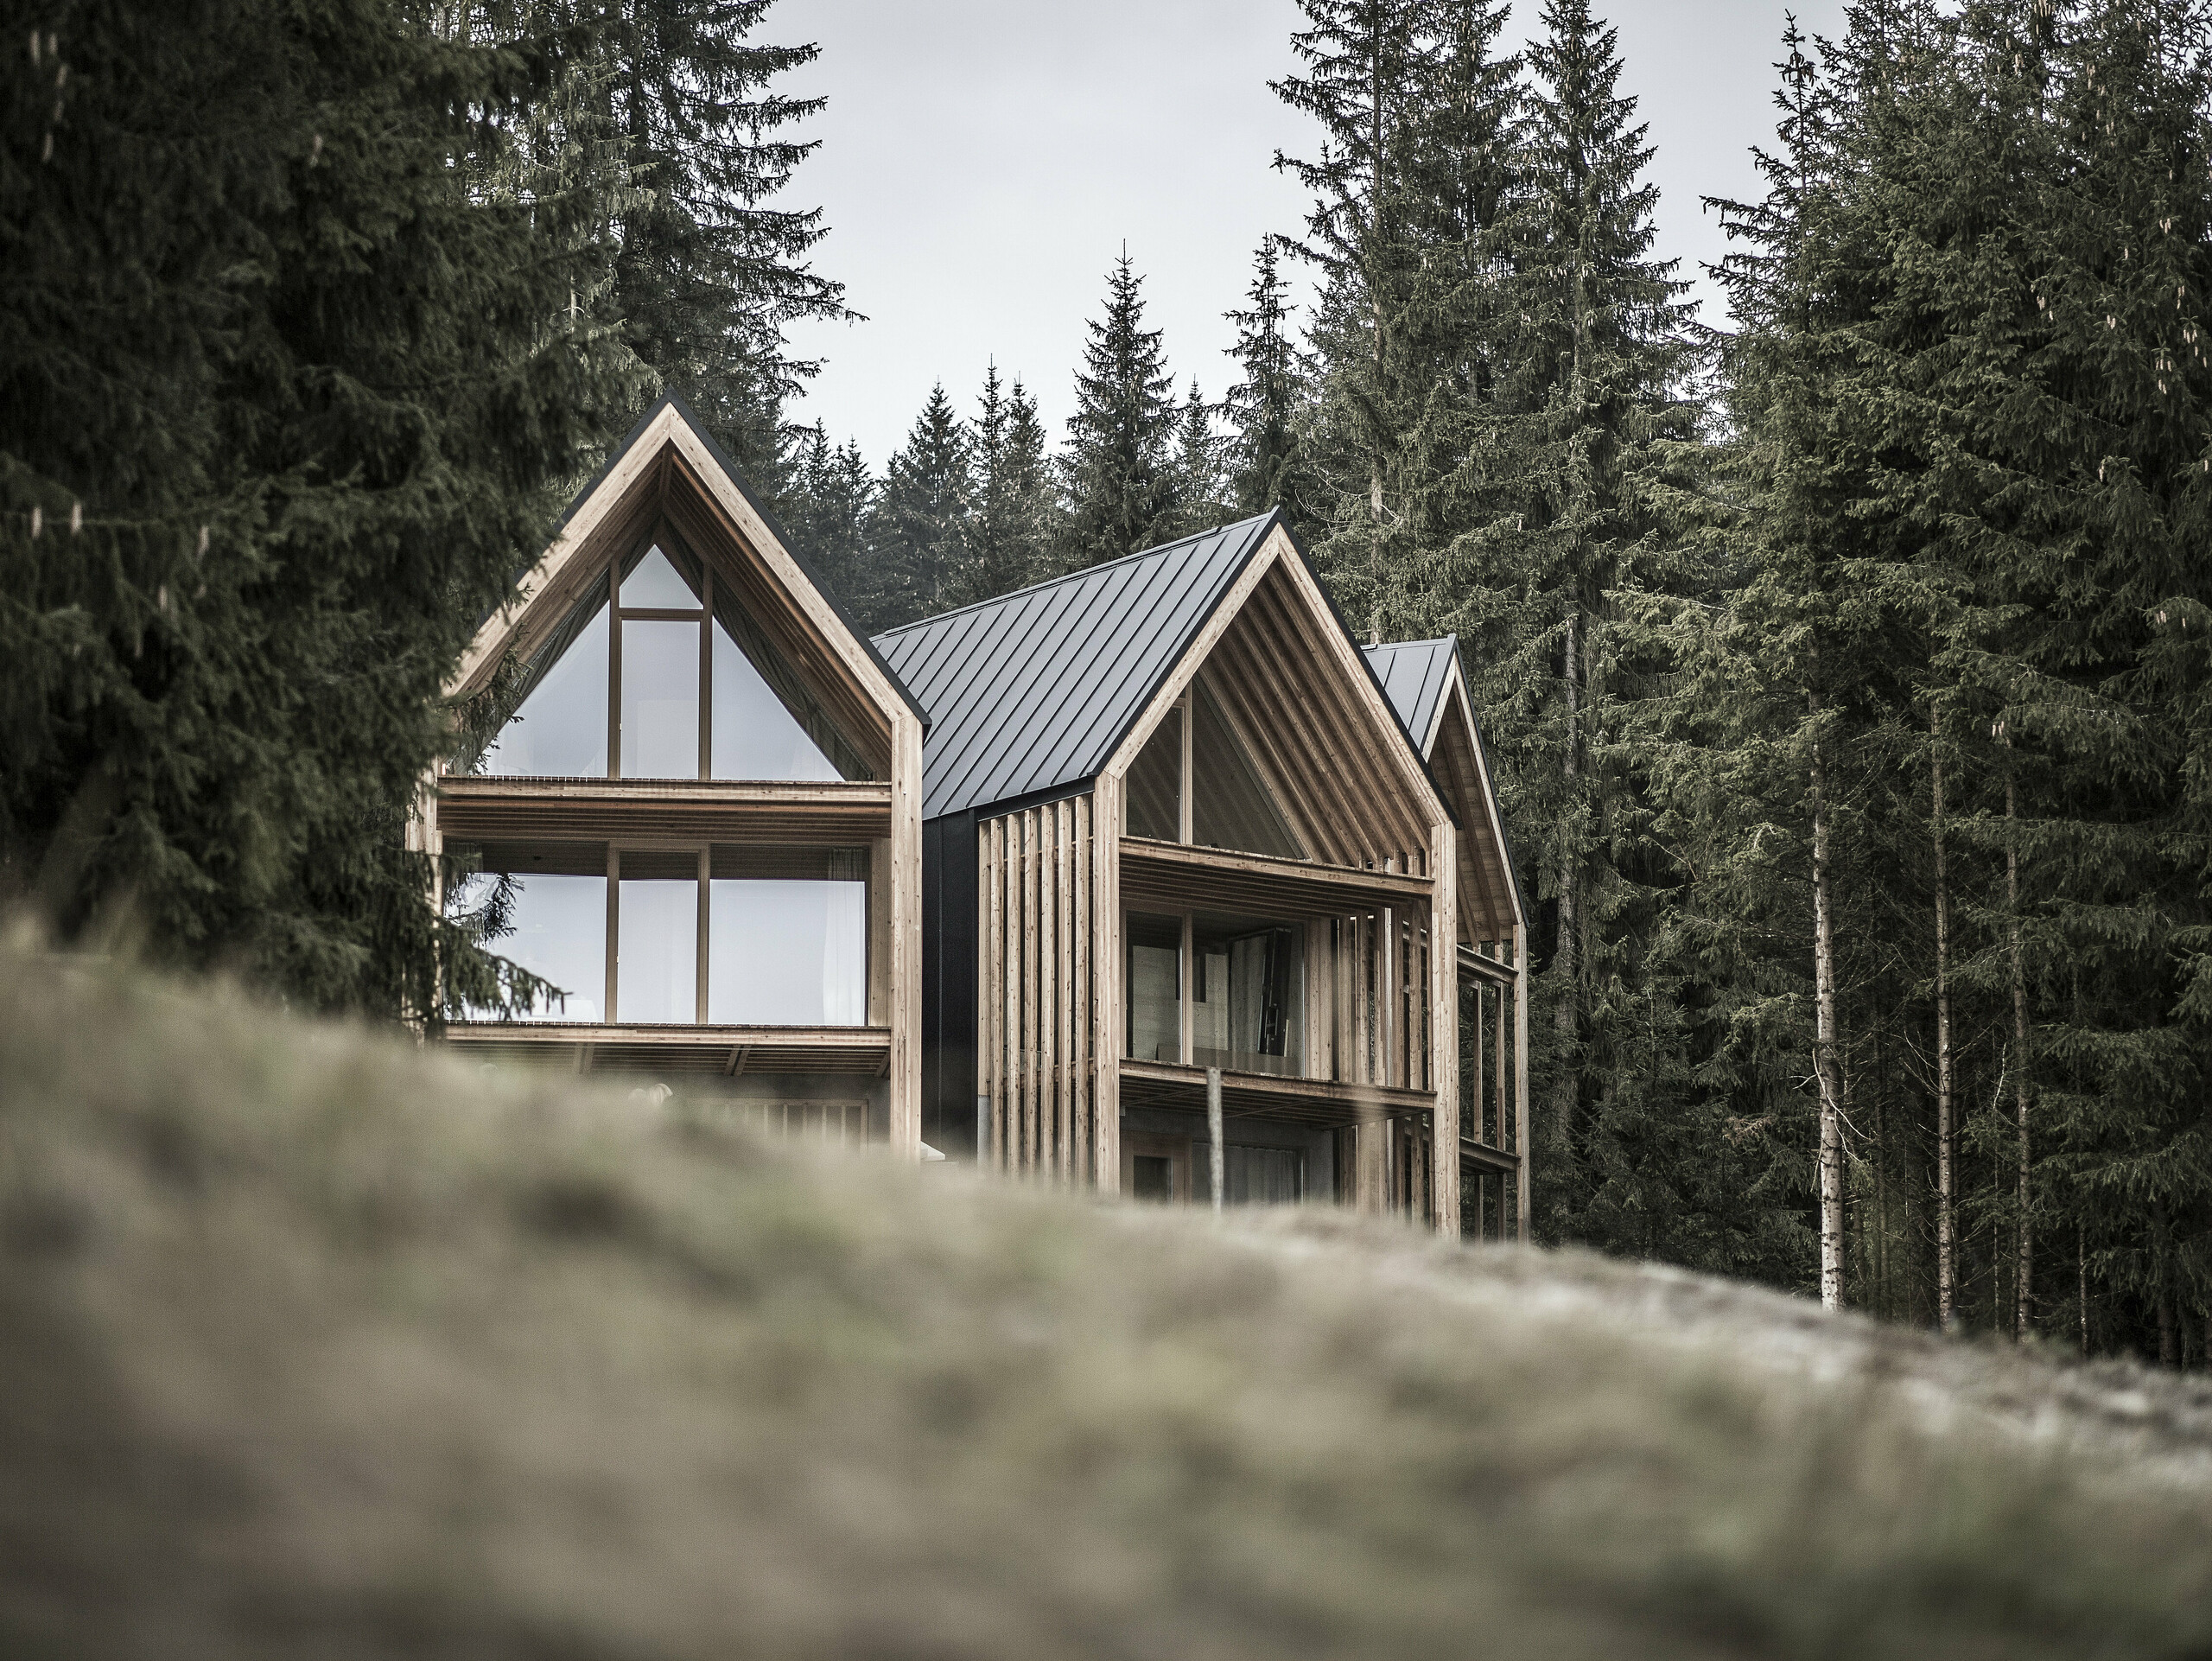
column 657, row 950
column 560, row 935
column 656, row 585
column 560, row 731
column 787, row 953
column 754, row 735
column 660, row 700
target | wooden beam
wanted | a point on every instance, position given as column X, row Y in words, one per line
column 1523, row 1208
column 1444, row 1028
column 905, row 1014
column 1176, row 878
column 1108, row 972
column 674, row 1035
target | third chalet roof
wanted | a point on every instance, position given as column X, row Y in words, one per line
column 1031, row 692
column 1414, row 674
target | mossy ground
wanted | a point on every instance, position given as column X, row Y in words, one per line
column 314, row 1345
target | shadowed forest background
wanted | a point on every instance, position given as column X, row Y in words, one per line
column 1843, row 661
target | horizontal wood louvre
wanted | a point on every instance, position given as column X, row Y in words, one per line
column 1036, row 996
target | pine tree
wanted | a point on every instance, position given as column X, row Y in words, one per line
column 709, row 276
column 258, row 479
column 1265, row 458
column 1119, row 465
column 919, row 538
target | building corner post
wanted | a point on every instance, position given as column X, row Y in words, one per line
column 906, row 1012
column 1444, row 1027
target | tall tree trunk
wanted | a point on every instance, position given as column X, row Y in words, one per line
column 1374, row 303
column 1947, row 1241
column 2169, row 1340
column 2023, row 1277
column 1565, row 1014
column 1824, row 1060
column 2081, row 1267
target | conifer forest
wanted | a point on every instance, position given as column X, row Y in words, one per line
column 1845, row 660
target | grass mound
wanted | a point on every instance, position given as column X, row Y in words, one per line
column 311, row 1345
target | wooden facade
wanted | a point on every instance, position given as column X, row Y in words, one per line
column 1182, row 890
column 669, row 493
column 1398, row 907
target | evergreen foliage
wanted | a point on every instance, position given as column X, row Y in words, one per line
column 1120, row 463
column 1265, row 457
column 707, row 275
column 920, row 537
column 1016, row 516
column 280, row 418
column 1201, row 490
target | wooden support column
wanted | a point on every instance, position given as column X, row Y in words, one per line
column 879, row 931
column 1444, row 1028
column 906, row 1070
column 1522, row 1207
column 1108, row 978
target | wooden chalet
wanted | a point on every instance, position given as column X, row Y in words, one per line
column 1201, row 873
column 702, row 814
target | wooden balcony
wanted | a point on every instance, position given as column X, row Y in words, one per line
column 1175, row 876
column 851, row 1052
column 1318, row 1102
column 502, row 809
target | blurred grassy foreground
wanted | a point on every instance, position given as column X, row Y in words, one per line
column 314, row 1346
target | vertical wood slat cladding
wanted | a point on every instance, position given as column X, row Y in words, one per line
column 1036, row 897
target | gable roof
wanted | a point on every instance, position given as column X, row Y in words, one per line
column 494, row 627
column 1032, row 691
column 1415, row 675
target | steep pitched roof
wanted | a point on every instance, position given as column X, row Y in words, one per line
column 1415, row 674
column 1032, row 692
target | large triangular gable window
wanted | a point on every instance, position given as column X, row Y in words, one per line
column 681, row 680
column 1231, row 805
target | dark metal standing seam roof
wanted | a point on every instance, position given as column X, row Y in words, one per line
column 1031, row 692
column 1414, row 674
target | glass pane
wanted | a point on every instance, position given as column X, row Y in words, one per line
column 1248, row 1009
column 1263, row 1176
column 1154, row 1176
column 1230, row 805
column 1155, row 783
column 787, row 953
column 660, row 700
column 656, row 950
column 754, row 736
column 559, row 932
column 655, row 582
column 1155, row 988
column 560, row 731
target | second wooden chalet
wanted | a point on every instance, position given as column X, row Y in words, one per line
column 1177, row 822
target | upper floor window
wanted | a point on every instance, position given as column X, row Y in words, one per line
column 674, row 680
column 1205, row 789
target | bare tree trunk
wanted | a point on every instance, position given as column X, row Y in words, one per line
column 1947, row 1238
column 1824, row 1062
column 2081, row 1265
column 1565, row 1012
column 2169, row 1340
column 2023, row 1277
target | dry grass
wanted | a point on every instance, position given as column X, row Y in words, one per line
column 311, row 1345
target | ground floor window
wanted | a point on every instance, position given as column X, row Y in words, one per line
column 739, row 935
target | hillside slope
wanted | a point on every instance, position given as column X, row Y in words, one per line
column 311, row 1345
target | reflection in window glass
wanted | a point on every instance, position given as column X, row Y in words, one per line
column 657, row 950
column 1155, row 783
column 560, row 731
column 754, row 736
column 655, row 584
column 1247, row 1010
column 787, row 953
column 559, row 933
column 660, row 700
column 1156, row 948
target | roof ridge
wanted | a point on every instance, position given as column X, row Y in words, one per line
column 1070, row 576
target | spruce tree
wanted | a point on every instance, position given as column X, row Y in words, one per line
column 1012, row 532
column 1201, row 492
column 708, row 274
column 277, row 428
column 1119, row 464
column 920, row 537
column 1265, row 407
column 828, row 509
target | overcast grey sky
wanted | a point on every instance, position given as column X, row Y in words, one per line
column 982, row 162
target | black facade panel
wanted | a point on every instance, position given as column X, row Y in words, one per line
column 948, row 947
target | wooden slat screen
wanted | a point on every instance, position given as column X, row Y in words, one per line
column 1035, row 992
